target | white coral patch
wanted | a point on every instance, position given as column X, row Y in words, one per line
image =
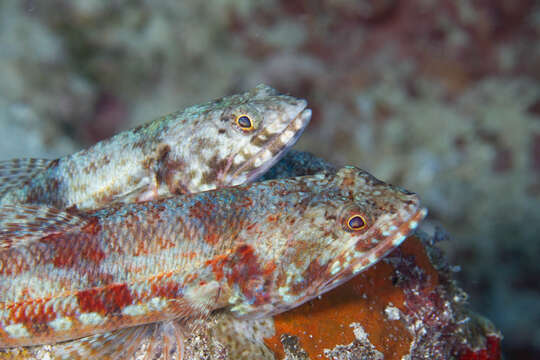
column 392, row 312
column 359, row 332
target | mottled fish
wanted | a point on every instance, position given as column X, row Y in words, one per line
column 225, row 142
column 101, row 279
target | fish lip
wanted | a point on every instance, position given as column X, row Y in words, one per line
column 304, row 116
column 403, row 231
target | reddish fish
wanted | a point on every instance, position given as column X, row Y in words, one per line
column 109, row 275
column 228, row 141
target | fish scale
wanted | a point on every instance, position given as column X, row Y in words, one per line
column 280, row 243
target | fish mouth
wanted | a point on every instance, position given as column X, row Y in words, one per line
column 275, row 148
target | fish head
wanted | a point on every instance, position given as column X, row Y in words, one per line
column 350, row 222
column 244, row 135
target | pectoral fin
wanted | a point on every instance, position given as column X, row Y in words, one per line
column 118, row 344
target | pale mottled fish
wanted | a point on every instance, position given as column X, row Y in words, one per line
column 103, row 280
column 225, row 142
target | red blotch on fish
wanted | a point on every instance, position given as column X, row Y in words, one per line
column 111, row 299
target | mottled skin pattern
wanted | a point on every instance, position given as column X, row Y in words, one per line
column 253, row 250
column 197, row 149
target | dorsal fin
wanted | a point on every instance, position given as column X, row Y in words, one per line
column 14, row 173
column 22, row 224
column 118, row 344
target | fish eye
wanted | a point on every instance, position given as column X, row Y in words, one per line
column 356, row 222
column 244, row 122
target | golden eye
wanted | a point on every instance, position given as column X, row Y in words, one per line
column 356, row 222
column 244, row 122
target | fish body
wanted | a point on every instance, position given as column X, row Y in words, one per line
column 252, row 250
column 225, row 142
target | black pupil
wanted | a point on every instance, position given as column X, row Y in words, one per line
column 356, row 222
column 244, row 121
